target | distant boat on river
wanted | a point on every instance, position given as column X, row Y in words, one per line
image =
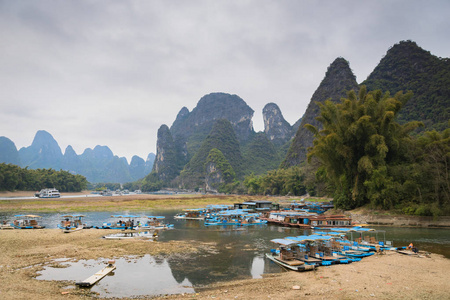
column 48, row 193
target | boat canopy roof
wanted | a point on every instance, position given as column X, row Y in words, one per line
column 283, row 242
column 124, row 216
column 234, row 212
column 156, row 217
column 330, row 233
column 193, row 209
column 27, row 216
column 218, row 206
column 73, row 216
column 309, row 238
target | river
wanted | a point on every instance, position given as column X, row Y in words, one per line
column 238, row 253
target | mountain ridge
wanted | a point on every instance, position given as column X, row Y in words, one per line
column 97, row 165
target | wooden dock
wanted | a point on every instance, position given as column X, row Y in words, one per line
column 97, row 276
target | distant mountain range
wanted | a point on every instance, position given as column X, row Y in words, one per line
column 97, row 165
column 215, row 143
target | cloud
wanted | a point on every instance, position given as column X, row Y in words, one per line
column 111, row 73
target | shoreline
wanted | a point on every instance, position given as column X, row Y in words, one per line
column 386, row 276
column 25, row 252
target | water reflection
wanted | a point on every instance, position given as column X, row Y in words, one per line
column 132, row 277
column 227, row 253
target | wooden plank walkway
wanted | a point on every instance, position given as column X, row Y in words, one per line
column 97, row 276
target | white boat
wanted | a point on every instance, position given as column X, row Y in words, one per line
column 48, row 193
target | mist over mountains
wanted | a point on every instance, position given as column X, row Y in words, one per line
column 215, row 143
column 97, row 165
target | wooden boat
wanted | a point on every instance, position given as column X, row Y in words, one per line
column 154, row 222
column 5, row 225
column 26, row 222
column 129, row 222
column 97, row 276
column 191, row 214
column 236, row 217
column 71, row 223
column 294, row 265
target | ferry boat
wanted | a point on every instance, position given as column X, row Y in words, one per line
column 48, row 193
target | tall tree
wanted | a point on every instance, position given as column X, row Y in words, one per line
column 360, row 137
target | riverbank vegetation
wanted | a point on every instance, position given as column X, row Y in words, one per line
column 13, row 177
column 363, row 157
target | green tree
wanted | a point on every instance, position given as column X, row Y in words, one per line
column 359, row 139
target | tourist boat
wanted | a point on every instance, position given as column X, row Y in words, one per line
column 286, row 257
column 363, row 238
column 128, row 222
column 354, row 253
column 191, row 214
column 154, row 222
column 71, row 223
column 48, row 193
column 26, row 222
column 5, row 225
column 236, row 217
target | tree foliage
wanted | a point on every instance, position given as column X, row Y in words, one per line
column 277, row 182
column 359, row 139
column 13, row 178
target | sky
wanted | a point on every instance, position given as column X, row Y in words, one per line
column 111, row 73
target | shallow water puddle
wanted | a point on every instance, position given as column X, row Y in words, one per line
column 132, row 277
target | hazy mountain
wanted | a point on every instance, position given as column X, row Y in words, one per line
column 191, row 128
column 168, row 161
column 406, row 67
column 97, row 165
column 44, row 152
column 8, row 152
column 276, row 128
column 339, row 79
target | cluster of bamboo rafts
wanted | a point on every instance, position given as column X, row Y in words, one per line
column 324, row 248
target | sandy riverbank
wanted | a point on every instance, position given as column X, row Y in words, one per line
column 389, row 276
column 23, row 253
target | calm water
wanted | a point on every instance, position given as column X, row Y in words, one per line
column 235, row 253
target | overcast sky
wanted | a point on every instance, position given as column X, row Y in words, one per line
column 112, row 72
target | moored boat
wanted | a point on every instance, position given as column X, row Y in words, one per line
column 191, row 214
column 123, row 222
column 26, row 222
column 287, row 256
column 154, row 222
column 71, row 223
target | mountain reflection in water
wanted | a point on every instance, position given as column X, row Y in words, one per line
column 225, row 253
